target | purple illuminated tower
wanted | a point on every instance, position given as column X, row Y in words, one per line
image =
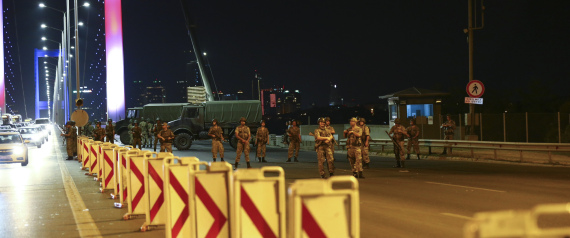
column 115, row 69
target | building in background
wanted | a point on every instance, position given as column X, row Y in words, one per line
column 155, row 93
column 334, row 98
column 278, row 100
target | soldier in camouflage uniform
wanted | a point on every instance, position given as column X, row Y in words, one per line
column 74, row 138
column 99, row 133
column 144, row 132
column 155, row 131
column 354, row 146
column 166, row 137
column 130, row 126
column 217, row 135
column 331, row 130
column 448, row 129
column 398, row 132
column 261, row 140
column 323, row 144
column 110, row 131
column 365, row 143
column 243, row 134
column 294, row 134
column 69, row 140
column 136, row 133
column 88, row 129
column 414, row 132
column 149, row 126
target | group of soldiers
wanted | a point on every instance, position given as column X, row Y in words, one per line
column 70, row 133
column 146, row 134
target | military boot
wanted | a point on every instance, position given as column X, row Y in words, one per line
column 248, row 165
column 397, row 164
column 288, row 160
column 366, row 165
column 418, row 157
column 355, row 174
column 214, row 159
column 236, row 165
column 296, row 159
column 259, row 159
column 444, row 151
column 360, row 175
column 69, row 158
column 403, row 164
column 408, row 158
column 263, row 160
column 331, row 174
column 222, row 159
column 323, row 176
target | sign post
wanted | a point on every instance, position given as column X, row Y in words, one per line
column 475, row 90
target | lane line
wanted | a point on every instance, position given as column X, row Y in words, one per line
column 461, row 186
column 456, row 216
column 85, row 224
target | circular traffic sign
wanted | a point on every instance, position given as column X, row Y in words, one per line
column 475, row 88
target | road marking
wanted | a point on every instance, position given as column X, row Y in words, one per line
column 461, row 186
column 85, row 224
column 456, row 216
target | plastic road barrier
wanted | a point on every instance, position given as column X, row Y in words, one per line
column 544, row 220
column 135, row 186
column 93, row 154
column 100, row 161
column 153, row 172
column 120, row 186
column 107, row 168
column 177, row 196
column 318, row 209
column 211, row 195
column 85, row 154
column 258, row 208
column 80, row 141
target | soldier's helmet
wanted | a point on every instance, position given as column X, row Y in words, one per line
column 327, row 119
column 296, row 122
column 397, row 121
column 215, row 120
column 136, row 122
column 321, row 119
column 148, row 120
column 68, row 123
column 165, row 124
column 158, row 119
column 98, row 123
column 131, row 121
column 242, row 119
column 261, row 122
column 353, row 119
column 363, row 120
column 72, row 123
column 413, row 120
column 142, row 118
column 110, row 120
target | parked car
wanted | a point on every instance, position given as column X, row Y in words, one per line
column 13, row 149
column 41, row 131
column 32, row 135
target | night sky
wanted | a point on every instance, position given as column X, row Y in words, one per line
column 368, row 48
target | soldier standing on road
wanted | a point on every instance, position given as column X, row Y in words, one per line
column 88, row 129
column 149, row 127
column 399, row 132
column 323, row 144
column 98, row 133
column 69, row 140
column 331, row 130
column 156, row 130
column 365, row 143
column 74, row 138
column 110, row 131
column 144, row 132
column 294, row 134
column 354, row 146
column 414, row 133
column 136, row 133
column 448, row 129
column 166, row 137
column 261, row 140
column 130, row 127
column 217, row 135
column 243, row 134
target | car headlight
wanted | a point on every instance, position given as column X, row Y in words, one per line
column 18, row 150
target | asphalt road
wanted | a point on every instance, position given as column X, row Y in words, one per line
column 432, row 198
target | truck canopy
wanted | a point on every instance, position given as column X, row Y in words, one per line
column 165, row 111
column 232, row 111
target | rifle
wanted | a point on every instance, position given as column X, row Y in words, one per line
column 394, row 140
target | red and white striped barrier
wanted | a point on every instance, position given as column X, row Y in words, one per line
column 319, row 209
column 153, row 172
column 85, row 163
column 135, row 186
column 107, row 168
column 258, row 208
column 120, row 181
column 177, row 197
column 93, row 155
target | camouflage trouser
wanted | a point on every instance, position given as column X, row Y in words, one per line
column 166, row 147
column 155, row 141
column 136, row 141
column 448, row 137
column 144, row 139
column 325, row 153
column 217, row 147
column 355, row 158
column 70, row 147
column 416, row 145
column 261, row 147
column 74, row 146
column 293, row 148
column 399, row 153
column 365, row 156
column 111, row 138
column 242, row 147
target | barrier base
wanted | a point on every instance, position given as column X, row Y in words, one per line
column 113, row 196
column 129, row 216
column 147, row 227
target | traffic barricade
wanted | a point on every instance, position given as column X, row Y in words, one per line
column 324, row 208
column 80, row 141
column 121, row 174
column 100, row 162
column 153, row 172
column 258, row 208
column 177, row 196
column 211, row 195
column 85, row 154
column 92, row 160
column 135, row 186
column 107, row 168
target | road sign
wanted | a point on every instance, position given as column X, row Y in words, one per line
column 475, row 88
column 473, row 100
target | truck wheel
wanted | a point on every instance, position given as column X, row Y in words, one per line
column 183, row 141
column 125, row 137
column 233, row 141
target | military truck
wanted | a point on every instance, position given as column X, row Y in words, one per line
column 196, row 120
column 165, row 111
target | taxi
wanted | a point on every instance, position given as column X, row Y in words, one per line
column 13, row 148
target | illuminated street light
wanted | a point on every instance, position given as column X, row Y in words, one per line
column 80, row 23
column 44, row 48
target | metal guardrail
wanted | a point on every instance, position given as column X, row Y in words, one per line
column 478, row 145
